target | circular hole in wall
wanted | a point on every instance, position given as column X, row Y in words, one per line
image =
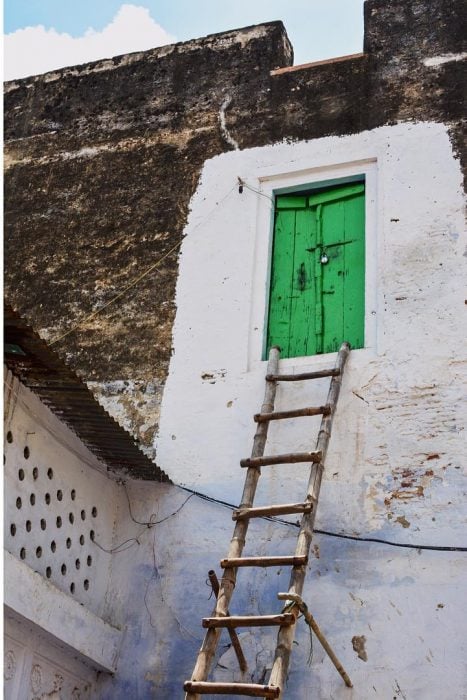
column 47, row 498
column 92, row 535
column 63, row 569
column 59, row 521
column 50, row 473
column 22, row 553
column 83, row 515
column 19, row 503
column 53, row 546
column 26, row 452
column 9, row 436
column 12, row 529
column 38, row 552
column 89, row 560
column 32, row 499
column 48, row 572
column 28, row 526
column 71, row 518
column 59, row 495
column 43, row 524
column 94, row 512
column 77, row 564
column 86, row 584
column 72, row 588
column 73, row 494
column 81, row 539
column 68, row 542
column 35, row 473
column 21, row 474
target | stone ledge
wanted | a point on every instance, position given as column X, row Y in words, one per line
column 34, row 599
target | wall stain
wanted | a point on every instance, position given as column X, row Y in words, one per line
column 358, row 644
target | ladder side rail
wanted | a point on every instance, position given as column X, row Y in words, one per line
column 237, row 543
column 286, row 635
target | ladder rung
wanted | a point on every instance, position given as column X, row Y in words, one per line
column 279, row 415
column 291, row 458
column 284, row 619
column 264, row 561
column 261, row 511
column 250, row 689
column 305, row 375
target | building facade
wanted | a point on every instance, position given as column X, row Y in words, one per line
column 262, row 203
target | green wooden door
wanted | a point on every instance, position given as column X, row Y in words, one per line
column 317, row 294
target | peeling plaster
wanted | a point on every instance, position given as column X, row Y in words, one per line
column 358, row 644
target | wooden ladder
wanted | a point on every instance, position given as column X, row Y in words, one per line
column 286, row 621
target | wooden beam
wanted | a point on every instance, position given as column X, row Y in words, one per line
column 264, row 561
column 214, row 581
column 249, row 620
column 296, row 413
column 265, row 511
column 322, row 639
column 290, row 458
column 250, row 689
column 303, row 376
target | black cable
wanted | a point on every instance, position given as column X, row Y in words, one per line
column 151, row 522
column 327, row 533
column 433, row 547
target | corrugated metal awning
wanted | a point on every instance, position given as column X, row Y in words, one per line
column 40, row 369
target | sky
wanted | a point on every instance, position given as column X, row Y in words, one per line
column 41, row 35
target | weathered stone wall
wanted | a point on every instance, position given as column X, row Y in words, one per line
column 103, row 159
column 102, row 162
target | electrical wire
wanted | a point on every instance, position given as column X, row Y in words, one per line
column 119, row 295
column 155, row 575
column 407, row 545
column 151, row 522
column 242, row 184
column 328, row 533
column 148, row 525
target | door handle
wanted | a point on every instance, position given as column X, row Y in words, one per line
column 330, row 245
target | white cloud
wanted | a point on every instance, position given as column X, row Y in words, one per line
column 35, row 50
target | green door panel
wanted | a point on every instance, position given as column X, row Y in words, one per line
column 333, row 277
column 291, row 201
column 337, row 193
column 313, row 306
column 303, row 286
column 281, row 280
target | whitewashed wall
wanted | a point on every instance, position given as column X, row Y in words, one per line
column 397, row 444
column 396, row 466
column 59, row 507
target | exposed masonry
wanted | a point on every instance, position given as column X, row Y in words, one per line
column 103, row 159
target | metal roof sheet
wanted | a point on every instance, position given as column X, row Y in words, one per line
column 40, row 369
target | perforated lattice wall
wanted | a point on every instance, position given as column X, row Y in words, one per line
column 57, row 512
